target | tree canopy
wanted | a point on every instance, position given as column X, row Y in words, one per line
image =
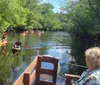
column 82, row 18
column 30, row 14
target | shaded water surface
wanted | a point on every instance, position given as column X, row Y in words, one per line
column 48, row 43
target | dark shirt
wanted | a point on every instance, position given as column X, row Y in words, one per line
column 18, row 43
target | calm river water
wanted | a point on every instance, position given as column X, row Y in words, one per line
column 48, row 43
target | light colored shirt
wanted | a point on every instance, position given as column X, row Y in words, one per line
column 89, row 78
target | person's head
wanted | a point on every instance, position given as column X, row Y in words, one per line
column 93, row 58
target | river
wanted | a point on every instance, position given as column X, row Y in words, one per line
column 55, row 44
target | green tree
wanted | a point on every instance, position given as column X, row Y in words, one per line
column 12, row 13
column 34, row 16
column 50, row 20
column 83, row 21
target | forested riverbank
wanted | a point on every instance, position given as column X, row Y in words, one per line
column 27, row 14
column 83, row 23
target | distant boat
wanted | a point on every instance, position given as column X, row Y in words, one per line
column 16, row 50
column 3, row 43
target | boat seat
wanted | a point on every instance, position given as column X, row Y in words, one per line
column 40, row 70
column 70, row 77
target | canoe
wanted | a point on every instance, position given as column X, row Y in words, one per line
column 16, row 50
column 3, row 43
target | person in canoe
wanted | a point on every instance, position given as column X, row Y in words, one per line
column 4, row 43
column 17, row 47
column 4, row 35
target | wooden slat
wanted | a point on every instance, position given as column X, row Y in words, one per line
column 33, row 75
column 72, row 76
column 31, row 66
column 69, row 77
column 19, row 81
column 46, row 71
column 26, row 79
column 48, row 59
column 38, row 69
column 29, row 69
column 45, row 83
column 55, row 71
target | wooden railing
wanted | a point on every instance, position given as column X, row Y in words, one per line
column 28, row 75
column 31, row 75
column 69, row 78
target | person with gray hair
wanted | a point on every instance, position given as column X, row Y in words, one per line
column 92, row 75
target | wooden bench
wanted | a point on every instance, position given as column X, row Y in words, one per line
column 69, row 78
column 31, row 76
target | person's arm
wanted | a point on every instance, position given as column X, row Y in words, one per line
column 93, row 80
column 82, row 78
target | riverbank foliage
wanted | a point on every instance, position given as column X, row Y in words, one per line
column 27, row 14
column 83, row 22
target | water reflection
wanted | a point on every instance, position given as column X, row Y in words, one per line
column 49, row 43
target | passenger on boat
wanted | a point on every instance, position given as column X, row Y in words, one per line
column 17, row 47
column 18, row 44
column 92, row 75
column 4, row 38
column 4, row 43
column 4, row 35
